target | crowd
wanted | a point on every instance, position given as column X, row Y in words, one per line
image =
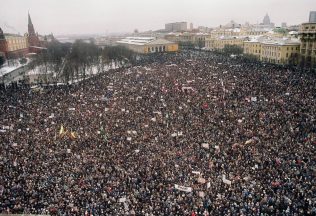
column 192, row 133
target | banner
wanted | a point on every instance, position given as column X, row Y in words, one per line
column 183, row 188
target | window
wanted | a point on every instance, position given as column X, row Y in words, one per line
column 287, row 55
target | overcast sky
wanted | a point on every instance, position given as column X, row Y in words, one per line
column 106, row 16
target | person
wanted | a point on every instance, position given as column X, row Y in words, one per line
column 264, row 147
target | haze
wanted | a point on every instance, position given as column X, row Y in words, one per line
column 108, row 16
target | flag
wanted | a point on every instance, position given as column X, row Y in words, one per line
column 62, row 130
column 103, row 134
column 73, row 135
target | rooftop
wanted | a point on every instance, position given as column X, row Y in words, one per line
column 273, row 41
column 142, row 41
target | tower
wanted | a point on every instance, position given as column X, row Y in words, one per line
column 312, row 17
column 32, row 38
column 3, row 43
column 266, row 20
column 1, row 34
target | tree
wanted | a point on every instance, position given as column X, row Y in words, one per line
column 232, row 50
column 2, row 60
column 186, row 45
column 23, row 61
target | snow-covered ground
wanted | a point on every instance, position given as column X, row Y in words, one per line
column 5, row 69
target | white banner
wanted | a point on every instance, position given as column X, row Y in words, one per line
column 183, row 188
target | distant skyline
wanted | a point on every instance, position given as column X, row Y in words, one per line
column 109, row 16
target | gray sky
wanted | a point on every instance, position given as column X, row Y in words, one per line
column 106, row 16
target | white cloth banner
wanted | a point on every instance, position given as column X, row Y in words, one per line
column 196, row 172
column 205, row 145
column 226, row 181
column 183, row 188
column 123, row 199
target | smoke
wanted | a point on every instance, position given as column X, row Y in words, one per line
column 8, row 28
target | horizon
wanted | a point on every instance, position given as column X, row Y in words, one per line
column 98, row 17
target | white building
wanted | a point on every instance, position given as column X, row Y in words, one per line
column 148, row 44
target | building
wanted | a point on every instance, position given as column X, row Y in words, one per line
column 252, row 47
column 266, row 20
column 227, row 32
column 280, row 51
column 307, row 34
column 188, row 39
column 3, row 43
column 33, row 39
column 273, row 50
column 13, row 45
column 312, row 17
column 266, row 23
column 148, row 44
column 176, row 27
column 218, row 44
column 191, row 26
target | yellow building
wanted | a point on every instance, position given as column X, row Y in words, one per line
column 280, row 52
column 196, row 39
column 307, row 35
column 252, row 48
column 219, row 43
column 148, row 44
column 220, row 32
column 16, row 42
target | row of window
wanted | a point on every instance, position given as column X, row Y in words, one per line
column 267, row 53
column 16, row 41
column 307, row 27
column 157, row 49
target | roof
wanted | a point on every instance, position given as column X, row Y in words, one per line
column 12, row 35
column 273, row 41
column 282, row 42
column 223, row 37
column 143, row 41
column 160, row 41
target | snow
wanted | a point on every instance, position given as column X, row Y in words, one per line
column 8, row 69
column 39, row 70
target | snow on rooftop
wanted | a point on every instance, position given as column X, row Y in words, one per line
column 142, row 41
column 136, row 40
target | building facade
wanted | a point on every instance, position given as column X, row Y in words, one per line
column 33, row 37
column 3, row 43
column 307, row 35
column 218, row 44
column 194, row 39
column 147, row 45
column 13, row 45
column 280, row 52
column 253, row 48
column 273, row 50
column 176, row 27
column 312, row 17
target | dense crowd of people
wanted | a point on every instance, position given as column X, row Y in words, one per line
column 192, row 133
